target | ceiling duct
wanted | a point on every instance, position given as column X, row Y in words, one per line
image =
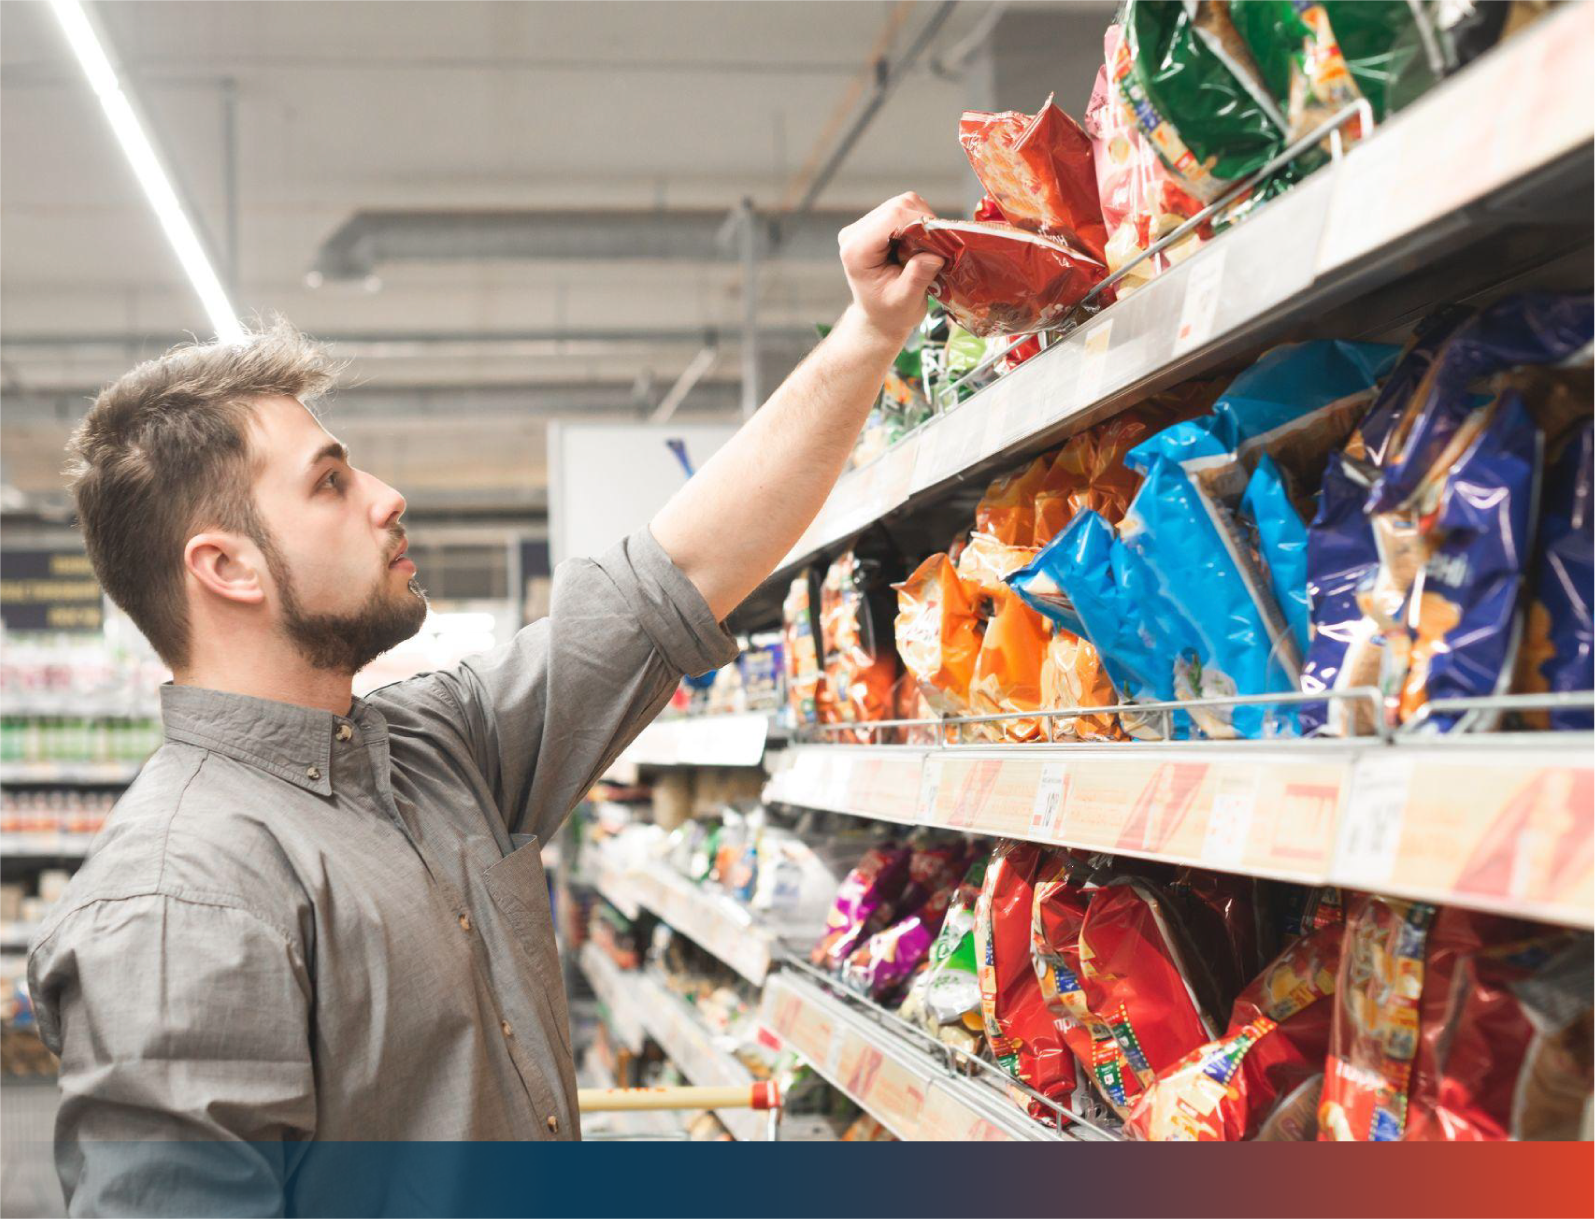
column 369, row 239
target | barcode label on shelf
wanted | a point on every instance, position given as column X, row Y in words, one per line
column 929, row 789
column 1370, row 835
column 1046, row 812
column 1229, row 821
column 1202, row 285
column 1094, row 362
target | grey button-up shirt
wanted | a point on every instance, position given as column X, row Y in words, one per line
column 300, row 926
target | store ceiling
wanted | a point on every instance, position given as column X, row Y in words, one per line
column 344, row 109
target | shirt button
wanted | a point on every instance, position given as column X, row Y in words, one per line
column 312, row 772
column 553, row 1124
column 465, row 922
column 345, row 732
column 505, row 1025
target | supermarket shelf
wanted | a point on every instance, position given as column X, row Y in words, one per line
column 1491, row 147
column 638, row 1004
column 86, row 773
column 714, row 921
column 1498, row 823
column 614, row 885
column 911, row 1093
column 15, row 937
column 706, row 740
column 45, row 844
column 617, row 992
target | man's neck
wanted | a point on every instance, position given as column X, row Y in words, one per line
column 280, row 679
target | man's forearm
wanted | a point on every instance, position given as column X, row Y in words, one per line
column 735, row 520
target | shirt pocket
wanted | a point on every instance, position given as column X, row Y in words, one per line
column 519, row 889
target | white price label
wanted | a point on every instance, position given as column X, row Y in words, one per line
column 1370, row 834
column 1229, row 821
column 995, row 434
column 929, row 789
column 1046, row 811
column 1094, row 362
column 1202, row 285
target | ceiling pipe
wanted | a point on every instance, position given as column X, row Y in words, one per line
column 369, row 239
column 685, row 383
column 888, row 75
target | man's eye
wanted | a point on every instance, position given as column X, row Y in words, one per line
column 332, row 480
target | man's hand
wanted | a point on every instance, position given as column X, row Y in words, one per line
column 888, row 297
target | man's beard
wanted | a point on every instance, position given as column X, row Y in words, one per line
column 347, row 643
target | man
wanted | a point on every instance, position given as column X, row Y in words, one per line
column 320, row 918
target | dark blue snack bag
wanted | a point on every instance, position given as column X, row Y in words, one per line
column 1463, row 613
column 1344, row 646
column 1529, row 328
column 1558, row 653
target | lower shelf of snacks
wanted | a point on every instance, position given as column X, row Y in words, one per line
column 1495, row 823
column 888, row 1071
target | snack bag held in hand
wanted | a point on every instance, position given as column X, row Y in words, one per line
column 997, row 279
column 1235, row 1087
column 1038, row 171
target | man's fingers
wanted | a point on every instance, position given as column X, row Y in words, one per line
column 919, row 270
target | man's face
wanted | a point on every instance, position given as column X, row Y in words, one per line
column 346, row 593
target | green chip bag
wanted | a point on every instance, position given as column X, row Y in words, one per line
column 1189, row 80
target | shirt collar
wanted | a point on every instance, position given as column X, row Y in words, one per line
column 292, row 742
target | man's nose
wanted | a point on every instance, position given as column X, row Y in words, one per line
column 387, row 505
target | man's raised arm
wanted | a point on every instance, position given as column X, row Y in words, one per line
column 735, row 520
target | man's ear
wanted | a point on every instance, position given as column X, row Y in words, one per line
column 227, row 566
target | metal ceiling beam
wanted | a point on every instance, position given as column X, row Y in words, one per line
column 382, row 342
column 458, row 403
column 369, row 239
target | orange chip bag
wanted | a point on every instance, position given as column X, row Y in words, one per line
column 1007, row 673
column 860, row 665
column 1008, row 509
column 938, row 633
column 1072, row 676
column 987, row 562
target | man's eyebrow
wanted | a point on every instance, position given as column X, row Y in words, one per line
column 336, row 449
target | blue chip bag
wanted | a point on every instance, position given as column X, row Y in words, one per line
column 1464, row 606
column 1281, row 544
column 1558, row 652
column 1170, row 528
column 1288, row 382
column 1342, row 553
column 1528, row 328
column 1088, row 582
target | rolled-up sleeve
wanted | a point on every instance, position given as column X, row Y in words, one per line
column 547, row 713
column 183, row 1030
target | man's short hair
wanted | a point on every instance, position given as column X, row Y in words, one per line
column 164, row 453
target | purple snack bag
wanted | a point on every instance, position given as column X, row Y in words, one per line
column 863, row 903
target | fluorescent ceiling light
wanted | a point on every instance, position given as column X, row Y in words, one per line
column 84, row 36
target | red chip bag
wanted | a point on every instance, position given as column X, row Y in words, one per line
column 1026, row 1037
column 1136, row 974
column 1374, row 1035
column 1257, row 1074
column 997, row 279
column 1455, row 937
column 1056, row 919
column 1516, row 1044
column 989, row 211
column 1039, row 172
